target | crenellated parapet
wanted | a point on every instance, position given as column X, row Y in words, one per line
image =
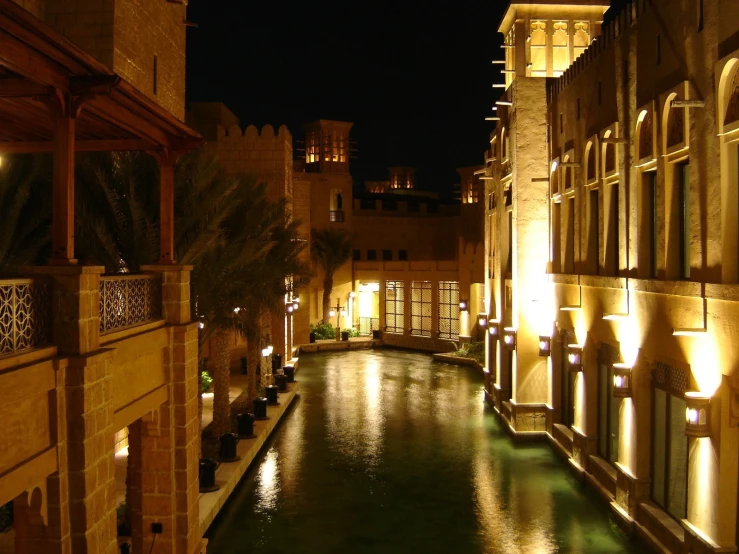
column 610, row 32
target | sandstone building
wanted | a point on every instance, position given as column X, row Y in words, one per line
column 612, row 263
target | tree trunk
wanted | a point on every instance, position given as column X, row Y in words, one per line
column 221, row 382
column 328, row 287
column 252, row 362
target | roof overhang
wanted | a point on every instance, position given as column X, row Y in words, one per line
column 550, row 9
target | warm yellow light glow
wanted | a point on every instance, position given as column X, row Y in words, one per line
column 704, row 355
column 691, row 416
column 618, row 381
column 331, row 313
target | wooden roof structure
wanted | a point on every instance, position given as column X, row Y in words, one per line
column 54, row 97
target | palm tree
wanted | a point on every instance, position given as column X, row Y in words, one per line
column 25, row 211
column 330, row 249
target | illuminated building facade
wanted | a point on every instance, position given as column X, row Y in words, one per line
column 611, row 264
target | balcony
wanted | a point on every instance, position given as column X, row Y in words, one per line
column 25, row 315
column 336, row 216
column 129, row 300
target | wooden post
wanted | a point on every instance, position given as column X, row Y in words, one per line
column 166, row 206
column 63, row 186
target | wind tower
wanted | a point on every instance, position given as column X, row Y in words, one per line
column 541, row 39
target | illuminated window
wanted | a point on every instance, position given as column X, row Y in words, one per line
column 669, row 443
column 449, row 310
column 421, row 308
column 581, row 40
column 394, row 306
column 561, row 48
column 538, row 49
column 608, row 414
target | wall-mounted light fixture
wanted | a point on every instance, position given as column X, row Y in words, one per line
column 289, row 307
column 697, row 414
column 463, row 305
column 296, row 304
column 621, row 380
column 494, row 328
column 545, row 345
column 482, row 319
column 509, row 338
column 574, row 357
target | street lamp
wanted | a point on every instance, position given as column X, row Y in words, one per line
column 339, row 311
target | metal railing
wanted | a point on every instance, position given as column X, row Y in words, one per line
column 336, row 216
column 25, row 315
column 128, row 300
column 368, row 324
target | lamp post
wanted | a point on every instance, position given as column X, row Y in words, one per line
column 337, row 311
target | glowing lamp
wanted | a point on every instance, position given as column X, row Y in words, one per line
column 351, row 294
column 545, row 345
column 237, row 310
column 265, row 352
column 574, row 357
column 331, row 313
column 201, row 325
column 270, row 349
column 343, row 313
column 494, row 328
column 296, row 305
column 697, row 415
column 289, row 307
column 482, row 319
column 621, row 380
column 463, row 305
column 509, row 338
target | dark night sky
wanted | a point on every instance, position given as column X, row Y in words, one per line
column 414, row 77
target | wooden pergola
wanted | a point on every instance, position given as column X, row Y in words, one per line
column 56, row 98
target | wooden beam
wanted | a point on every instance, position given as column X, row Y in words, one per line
column 119, row 145
column 62, row 213
column 687, row 104
column 27, row 62
column 93, row 84
column 22, row 88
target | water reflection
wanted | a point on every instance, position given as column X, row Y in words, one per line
column 387, row 452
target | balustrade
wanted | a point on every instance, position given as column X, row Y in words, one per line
column 128, row 300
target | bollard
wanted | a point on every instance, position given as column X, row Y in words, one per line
column 207, row 475
column 312, row 337
column 245, row 424
column 276, row 362
column 125, row 548
column 227, row 451
column 260, row 408
column 376, row 334
column 281, row 382
column 271, row 392
column 345, row 336
column 290, row 372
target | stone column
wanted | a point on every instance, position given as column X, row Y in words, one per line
column 184, row 406
column 151, row 490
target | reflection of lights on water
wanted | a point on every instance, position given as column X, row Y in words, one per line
column 268, row 484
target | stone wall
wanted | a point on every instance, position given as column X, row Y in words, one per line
column 411, row 342
column 88, row 24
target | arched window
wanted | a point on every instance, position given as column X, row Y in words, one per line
column 581, row 40
column 732, row 103
column 609, row 156
column 560, row 47
column 554, row 178
column 675, row 127
column 538, row 49
column 503, row 145
column 591, row 171
column 645, row 143
column 567, row 174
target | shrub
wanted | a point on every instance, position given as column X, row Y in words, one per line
column 475, row 350
column 323, row 331
column 6, row 516
column 123, row 520
column 206, row 381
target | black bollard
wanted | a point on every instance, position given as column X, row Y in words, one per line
column 281, row 382
column 207, row 475
column 245, row 423
column 290, row 372
column 276, row 362
column 125, row 548
column 376, row 334
column 345, row 336
column 227, row 451
column 260, row 408
column 271, row 391
column 312, row 337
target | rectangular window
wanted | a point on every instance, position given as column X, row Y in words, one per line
column 155, row 75
column 556, row 237
column 421, row 308
column 650, row 217
column 670, row 453
column 403, row 255
column 594, row 233
column 608, row 415
column 683, row 174
column 569, row 266
column 449, row 310
column 356, row 255
column 387, row 255
column 372, row 255
column 613, row 230
column 394, row 306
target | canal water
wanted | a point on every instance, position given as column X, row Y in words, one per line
column 389, row 452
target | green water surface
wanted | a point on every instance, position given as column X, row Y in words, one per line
column 389, row 452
